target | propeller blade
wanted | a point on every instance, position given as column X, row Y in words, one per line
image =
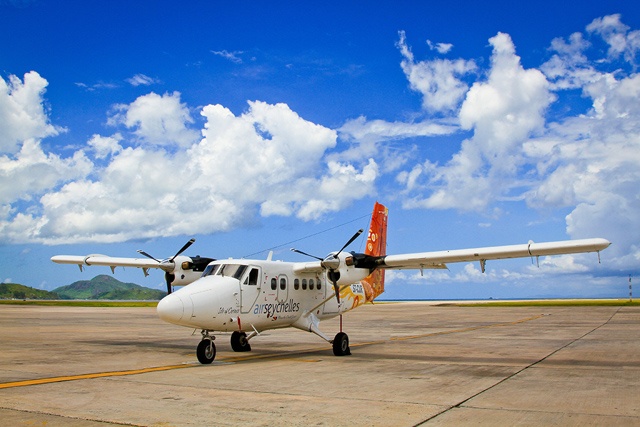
column 184, row 248
column 333, row 277
column 141, row 252
column 168, row 277
column 355, row 236
column 304, row 253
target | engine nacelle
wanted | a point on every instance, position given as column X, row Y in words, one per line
column 187, row 270
column 346, row 273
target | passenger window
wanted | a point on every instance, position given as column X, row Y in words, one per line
column 283, row 283
column 311, row 284
column 304, row 284
column 296, row 284
column 274, row 284
column 319, row 284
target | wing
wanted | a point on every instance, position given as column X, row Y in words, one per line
column 112, row 262
column 439, row 259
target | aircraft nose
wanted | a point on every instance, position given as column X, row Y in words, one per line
column 170, row 308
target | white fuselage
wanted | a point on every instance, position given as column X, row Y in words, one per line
column 236, row 295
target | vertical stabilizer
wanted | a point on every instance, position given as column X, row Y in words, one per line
column 376, row 246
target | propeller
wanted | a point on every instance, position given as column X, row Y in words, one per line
column 332, row 263
column 184, row 248
column 141, row 252
column 169, row 276
column 304, row 253
column 354, row 237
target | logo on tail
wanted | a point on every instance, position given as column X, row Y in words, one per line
column 376, row 246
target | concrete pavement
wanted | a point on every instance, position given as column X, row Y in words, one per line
column 411, row 364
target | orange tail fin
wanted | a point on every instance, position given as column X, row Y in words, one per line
column 376, row 246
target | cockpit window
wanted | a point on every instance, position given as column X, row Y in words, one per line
column 229, row 270
column 210, row 270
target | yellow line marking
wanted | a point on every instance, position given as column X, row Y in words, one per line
column 232, row 359
column 90, row 376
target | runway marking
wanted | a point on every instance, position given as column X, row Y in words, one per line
column 232, row 359
column 50, row 380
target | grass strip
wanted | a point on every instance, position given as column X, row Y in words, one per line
column 548, row 303
column 81, row 303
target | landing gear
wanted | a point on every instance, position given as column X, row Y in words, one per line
column 206, row 350
column 341, row 344
column 341, row 341
column 240, row 342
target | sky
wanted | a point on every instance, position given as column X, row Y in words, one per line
column 256, row 126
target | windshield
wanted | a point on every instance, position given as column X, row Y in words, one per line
column 210, row 270
column 230, row 270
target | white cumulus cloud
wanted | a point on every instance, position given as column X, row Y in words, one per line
column 502, row 112
column 157, row 119
column 267, row 160
column 22, row 112
column 437, row 80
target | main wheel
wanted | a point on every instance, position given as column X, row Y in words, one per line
column 341, row 344
column 239, row 342
column 206, row 352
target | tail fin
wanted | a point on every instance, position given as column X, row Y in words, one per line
column 376, row 246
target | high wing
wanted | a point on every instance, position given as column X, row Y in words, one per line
column 113, row 262
column 439, row 259
column 179, row 270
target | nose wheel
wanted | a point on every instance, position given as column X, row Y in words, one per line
column 206, row 350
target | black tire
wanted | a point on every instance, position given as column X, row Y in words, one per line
column 239, row 342
column 341, row 344
column 206, row 352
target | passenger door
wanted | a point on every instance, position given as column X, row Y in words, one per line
column 283, row 288
column 250, row 289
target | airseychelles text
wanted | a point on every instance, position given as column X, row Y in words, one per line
column 282, row 307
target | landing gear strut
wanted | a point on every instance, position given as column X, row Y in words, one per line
column 240, row 342
column 206, row 350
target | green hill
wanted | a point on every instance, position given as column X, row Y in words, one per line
column 105, row 287
column 15, row 291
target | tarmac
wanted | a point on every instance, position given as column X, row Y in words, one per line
column 412, row 364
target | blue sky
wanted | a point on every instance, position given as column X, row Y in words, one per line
column 249, row 125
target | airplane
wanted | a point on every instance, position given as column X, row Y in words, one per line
column 247, row 297
column 179, row 270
